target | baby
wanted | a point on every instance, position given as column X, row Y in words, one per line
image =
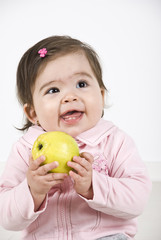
column 60, row 86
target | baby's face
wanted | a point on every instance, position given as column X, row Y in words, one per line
column 67, row 96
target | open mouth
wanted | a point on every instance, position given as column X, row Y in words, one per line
column 71, row 117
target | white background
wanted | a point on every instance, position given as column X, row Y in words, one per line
column 127, row 36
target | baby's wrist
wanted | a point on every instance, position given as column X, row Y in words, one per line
column 88, row 195
column 37, row 199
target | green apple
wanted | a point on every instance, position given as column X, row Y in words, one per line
column 56, row 146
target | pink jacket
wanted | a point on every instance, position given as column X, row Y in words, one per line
column 120, row 183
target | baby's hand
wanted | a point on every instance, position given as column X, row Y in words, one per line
column 83, row 175
column 40, row 181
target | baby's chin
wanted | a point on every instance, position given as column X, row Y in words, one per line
column 74, row 132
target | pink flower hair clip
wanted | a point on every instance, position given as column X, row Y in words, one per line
column 42, row 52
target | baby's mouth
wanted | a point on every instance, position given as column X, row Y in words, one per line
column 72, row 117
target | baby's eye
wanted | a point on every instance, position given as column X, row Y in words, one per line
column 52, row 90
column 81, row 84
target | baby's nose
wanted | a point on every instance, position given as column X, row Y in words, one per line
column 69, row 98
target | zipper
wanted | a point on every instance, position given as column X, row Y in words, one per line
column 64, row 210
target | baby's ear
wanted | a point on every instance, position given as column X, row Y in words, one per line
column 103, row 92
column 103, row 96
column 30, row 113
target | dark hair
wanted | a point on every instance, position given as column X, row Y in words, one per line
column 31, row 64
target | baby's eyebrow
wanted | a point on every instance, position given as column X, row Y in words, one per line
column 47, row 84
column 83, row 74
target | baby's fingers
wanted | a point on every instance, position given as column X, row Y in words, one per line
column 43, row 170
column 58, row 177
column 34, row 164
column 87, row 156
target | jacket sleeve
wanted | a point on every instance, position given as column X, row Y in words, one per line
column 16, row 204
column 124, row 192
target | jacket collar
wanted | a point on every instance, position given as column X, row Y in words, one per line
column 94, row 136
column 31, row 135
column 91, row 137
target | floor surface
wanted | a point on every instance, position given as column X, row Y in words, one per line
column 150, row 221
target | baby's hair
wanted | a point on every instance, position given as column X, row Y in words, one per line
column 31, row 64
